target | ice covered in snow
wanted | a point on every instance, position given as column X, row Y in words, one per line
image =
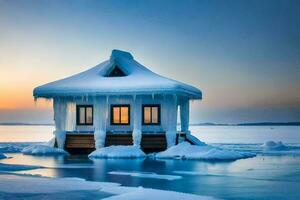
column 185, row 150
column 33, row 187
column 150, row 194
column 95, row 81
column 9, row 148
column 14, row 147
column 10, row 167
column 271, row 146
column 146, row 175
column 118, row 151
column 30, row 184
column 43, row 149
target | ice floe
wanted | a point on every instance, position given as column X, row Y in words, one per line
column 14, row 147
column 33, row 187
column 12, row 167
column 43, row 150
column 146, row 175
column 271, row 145
column 119, row 151
column 185, row 150
column 278, row 148
column 150, row 194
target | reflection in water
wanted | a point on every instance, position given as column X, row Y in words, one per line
column 254, row 178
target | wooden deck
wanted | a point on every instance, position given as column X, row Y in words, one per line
column 84, row 143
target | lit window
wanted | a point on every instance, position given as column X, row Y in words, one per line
column 84, row 115
column 151, row 114
column 120, row 115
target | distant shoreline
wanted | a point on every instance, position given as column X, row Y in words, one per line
column 192, row 124
column 250, row 124
column 24, row 124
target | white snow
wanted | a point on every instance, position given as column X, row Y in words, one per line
column 27, row 187
column 185, row 150
column 43, row 149
column 146, row 175
column 271, row 145
column 150, row 194
column 118, row 151
column 31, row 184
column 94, row 81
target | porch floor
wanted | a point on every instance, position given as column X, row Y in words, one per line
column 84, row 143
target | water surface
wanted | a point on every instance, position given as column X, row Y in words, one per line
column 266, row 176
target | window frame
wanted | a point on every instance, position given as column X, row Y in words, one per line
column 158, row 112
column 85, row 115
column 112, row 106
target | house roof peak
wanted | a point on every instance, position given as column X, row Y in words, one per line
column 115, row 54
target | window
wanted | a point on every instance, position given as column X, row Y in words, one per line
column 84, row 114
column 120, row 114
column 151, row 114
column 116, row 72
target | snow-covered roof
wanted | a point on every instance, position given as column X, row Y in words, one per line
column 134, row 79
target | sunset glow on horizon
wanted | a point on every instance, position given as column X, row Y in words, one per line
column 243, row 56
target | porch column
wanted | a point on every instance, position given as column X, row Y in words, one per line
column 184, row 115
column 60, row 114
column 137, row 121
column 171, row 104
column 100, row 118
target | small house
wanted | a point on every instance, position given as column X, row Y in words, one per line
column 119, row 102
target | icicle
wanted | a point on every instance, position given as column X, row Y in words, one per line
column 35, row 101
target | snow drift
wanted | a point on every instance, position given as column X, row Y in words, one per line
column 119, row 151
column 43, row 149
column 185, row 150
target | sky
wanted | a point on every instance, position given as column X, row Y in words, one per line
column 243, row 55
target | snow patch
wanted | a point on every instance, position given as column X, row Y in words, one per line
column 146, row 175
column 150, row 194
column 185, row 150
column 42, row 185
column 28, row 186
column 118, row 151
column 43, row 149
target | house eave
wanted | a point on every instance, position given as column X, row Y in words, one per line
column 76, row 94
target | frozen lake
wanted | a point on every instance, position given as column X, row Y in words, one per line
column 208, row 134
column 266, row 176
